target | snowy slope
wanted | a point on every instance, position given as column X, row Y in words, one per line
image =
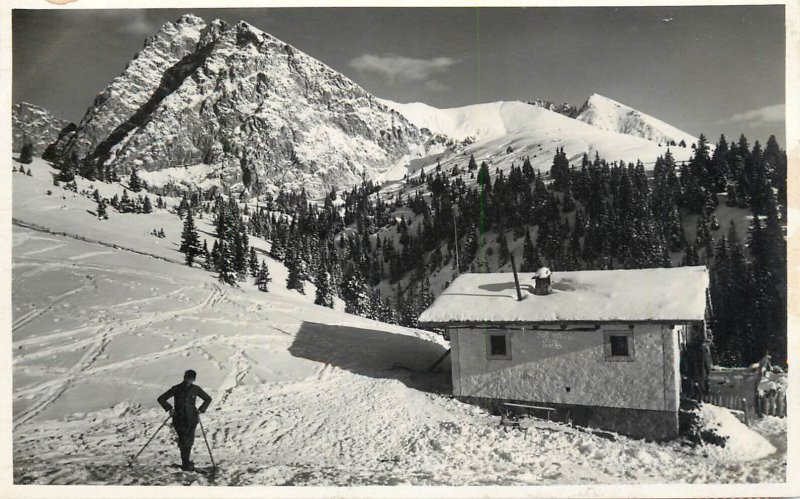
column 479, row 121
column 608, row 114
column 302, row 394
column 506, row 133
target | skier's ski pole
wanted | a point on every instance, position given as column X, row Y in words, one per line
column 213, row 465
column 151, row 439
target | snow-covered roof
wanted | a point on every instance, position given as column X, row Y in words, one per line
column 663, row 294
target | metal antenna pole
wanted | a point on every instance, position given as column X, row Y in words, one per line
column 455, row 235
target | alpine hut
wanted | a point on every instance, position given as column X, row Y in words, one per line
column 601, row 348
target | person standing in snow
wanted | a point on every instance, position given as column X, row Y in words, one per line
column 185, row 414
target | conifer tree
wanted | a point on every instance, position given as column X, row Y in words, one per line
column 322, row 281
column 263, row 278
column 215, row 255
column 102, row 213
column 208, row 262
column 387, row 313
column 190, row 240
column 356, row 294
column 253, row 262
column 294, row 280
column 226, row 271
column 426, row 294
column 135, row 183
column 691, row 257
column 69, row 168
column 484, row 179
column 473, row 165
column 531, row 261
column 26, row 153
column 502, row 253
column 703, row 238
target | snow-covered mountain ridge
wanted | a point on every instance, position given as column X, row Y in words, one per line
column 485, row 121
column 35, row 124
column 260, row 113
column 608, row 114
column 505, row 133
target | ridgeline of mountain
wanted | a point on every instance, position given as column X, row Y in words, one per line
column 236, row 104
column 565, row 108
column 36, row 125
column 607, row 114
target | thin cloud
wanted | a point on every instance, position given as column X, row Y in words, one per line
column 138, row 24
column 436, row 86
column 395, row 67
column 127, row 21
column 762, row 116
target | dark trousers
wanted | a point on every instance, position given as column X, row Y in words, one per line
column 185, row 433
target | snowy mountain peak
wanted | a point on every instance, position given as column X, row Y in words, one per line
column 242, row 108
column 608, row 114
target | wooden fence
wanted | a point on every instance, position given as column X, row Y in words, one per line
column 772, row 404
column 738, row 405
column 738, row 391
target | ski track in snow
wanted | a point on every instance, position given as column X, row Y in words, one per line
column 53, row 390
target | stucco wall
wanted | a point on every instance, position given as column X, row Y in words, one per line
column 544, row 364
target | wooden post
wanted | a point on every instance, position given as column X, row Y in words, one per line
column 744, row 410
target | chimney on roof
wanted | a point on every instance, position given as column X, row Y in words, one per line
column 541, row 279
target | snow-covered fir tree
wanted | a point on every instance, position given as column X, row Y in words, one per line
column 356, row 294
column 190, row 240
column 322, row 281
column 262, row 278
column 227, row 274
column 135, row 183
column 293, row 264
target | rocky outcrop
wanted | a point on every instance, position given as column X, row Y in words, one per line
column 34, row 124
column 566, row 109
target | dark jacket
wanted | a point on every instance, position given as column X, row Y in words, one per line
column 185, row 403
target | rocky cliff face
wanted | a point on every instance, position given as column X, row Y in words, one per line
column 254, row 111
column 34, row 124
column 566, row 109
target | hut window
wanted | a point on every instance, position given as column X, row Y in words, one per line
column 498, row 346
column 619, row 345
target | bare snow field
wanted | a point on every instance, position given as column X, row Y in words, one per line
column 302, row 395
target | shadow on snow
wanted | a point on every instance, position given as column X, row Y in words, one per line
column 377, row 354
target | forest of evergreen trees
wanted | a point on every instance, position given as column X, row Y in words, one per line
column 591, row 215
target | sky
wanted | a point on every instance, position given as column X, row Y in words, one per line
column 702, row 69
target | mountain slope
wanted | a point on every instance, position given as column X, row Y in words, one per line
column 36, row 124
column 505, row 133
column 261, row 114
column 607, row 114
column 302, row 395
